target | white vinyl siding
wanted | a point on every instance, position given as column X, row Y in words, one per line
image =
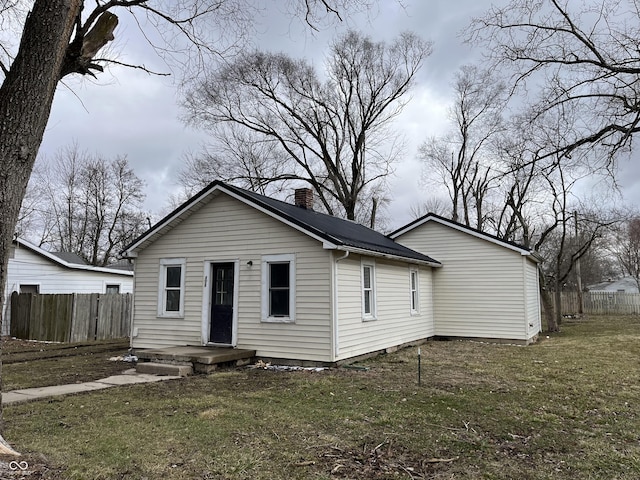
column 28, row 268
column 394, row 325
column 479, row 291
column 225, row 228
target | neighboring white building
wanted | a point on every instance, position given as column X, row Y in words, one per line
column 34, row 270
column 486, row 288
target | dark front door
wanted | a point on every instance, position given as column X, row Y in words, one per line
column 221, row 330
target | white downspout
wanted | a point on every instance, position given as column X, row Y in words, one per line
column 336, row 341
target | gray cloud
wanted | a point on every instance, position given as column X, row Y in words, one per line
column 128, row 112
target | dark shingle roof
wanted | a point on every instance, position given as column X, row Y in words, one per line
column 341, row 233
column 333, row 229
column 70, row 257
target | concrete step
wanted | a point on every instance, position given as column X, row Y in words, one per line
column 164, row 369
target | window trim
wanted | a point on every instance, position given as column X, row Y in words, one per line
column 162, row 276
column 112, row 284
column 372, row 315
column 38, row 286
column 265, row 262
column 414, row 307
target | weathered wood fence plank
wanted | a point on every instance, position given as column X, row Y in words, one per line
column 70, row 317
column 602, row 303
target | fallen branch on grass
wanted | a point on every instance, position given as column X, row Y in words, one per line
column 441, row 460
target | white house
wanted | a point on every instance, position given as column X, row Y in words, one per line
column 486, row 288
column 237, row 269
column 34, row 270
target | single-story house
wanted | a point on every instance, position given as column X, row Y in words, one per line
column 234, row 268
column 486, row 288
column 34, row 270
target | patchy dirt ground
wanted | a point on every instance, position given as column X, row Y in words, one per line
column 16, row 350
column 28, row 364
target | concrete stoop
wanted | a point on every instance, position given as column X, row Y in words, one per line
column 174, row 370
column 185, row 361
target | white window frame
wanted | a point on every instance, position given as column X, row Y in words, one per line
column 162, row 305
column 266, row 261
column 414, row 291
column 371, row 315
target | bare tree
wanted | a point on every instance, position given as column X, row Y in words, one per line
column 334, row 134
column 436, row 205
column 533, row 193
column 86, row 205
column 239, row 156
column 585, row 54
column 60, row 38
column 541, row 195
column 461, row 159
column 626, row 248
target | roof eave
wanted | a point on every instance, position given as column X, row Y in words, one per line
column 462, row 228
column 390, row 256
column 72, row 266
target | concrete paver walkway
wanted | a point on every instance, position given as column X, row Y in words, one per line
column 129, row 377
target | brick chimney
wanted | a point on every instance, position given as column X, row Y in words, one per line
column 304, row 198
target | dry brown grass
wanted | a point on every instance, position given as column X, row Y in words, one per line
column 566, row 408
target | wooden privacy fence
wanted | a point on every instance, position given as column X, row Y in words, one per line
column 601, row 303
column 70, row 317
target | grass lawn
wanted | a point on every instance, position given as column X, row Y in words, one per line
column 565, row 408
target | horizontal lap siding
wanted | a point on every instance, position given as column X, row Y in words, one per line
column 227, row 230
column 394, row 324
column 29, row 268
column 479, row 291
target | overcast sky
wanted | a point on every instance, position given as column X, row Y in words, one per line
column 128, row 112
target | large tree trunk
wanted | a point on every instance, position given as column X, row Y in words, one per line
column 26, row 96
column 547, row 304
column 557, row 317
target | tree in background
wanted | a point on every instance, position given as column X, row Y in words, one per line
column 461, row 158
column 584, row 54
column 626, row 248
column 87, row 205
column 60, row 38
column 503, row 180
column 577, row 66
column 332, row 134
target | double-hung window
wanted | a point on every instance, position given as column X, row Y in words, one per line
column 415, row 297
column 368, row 291
column 278, row 288
column 171, row 287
